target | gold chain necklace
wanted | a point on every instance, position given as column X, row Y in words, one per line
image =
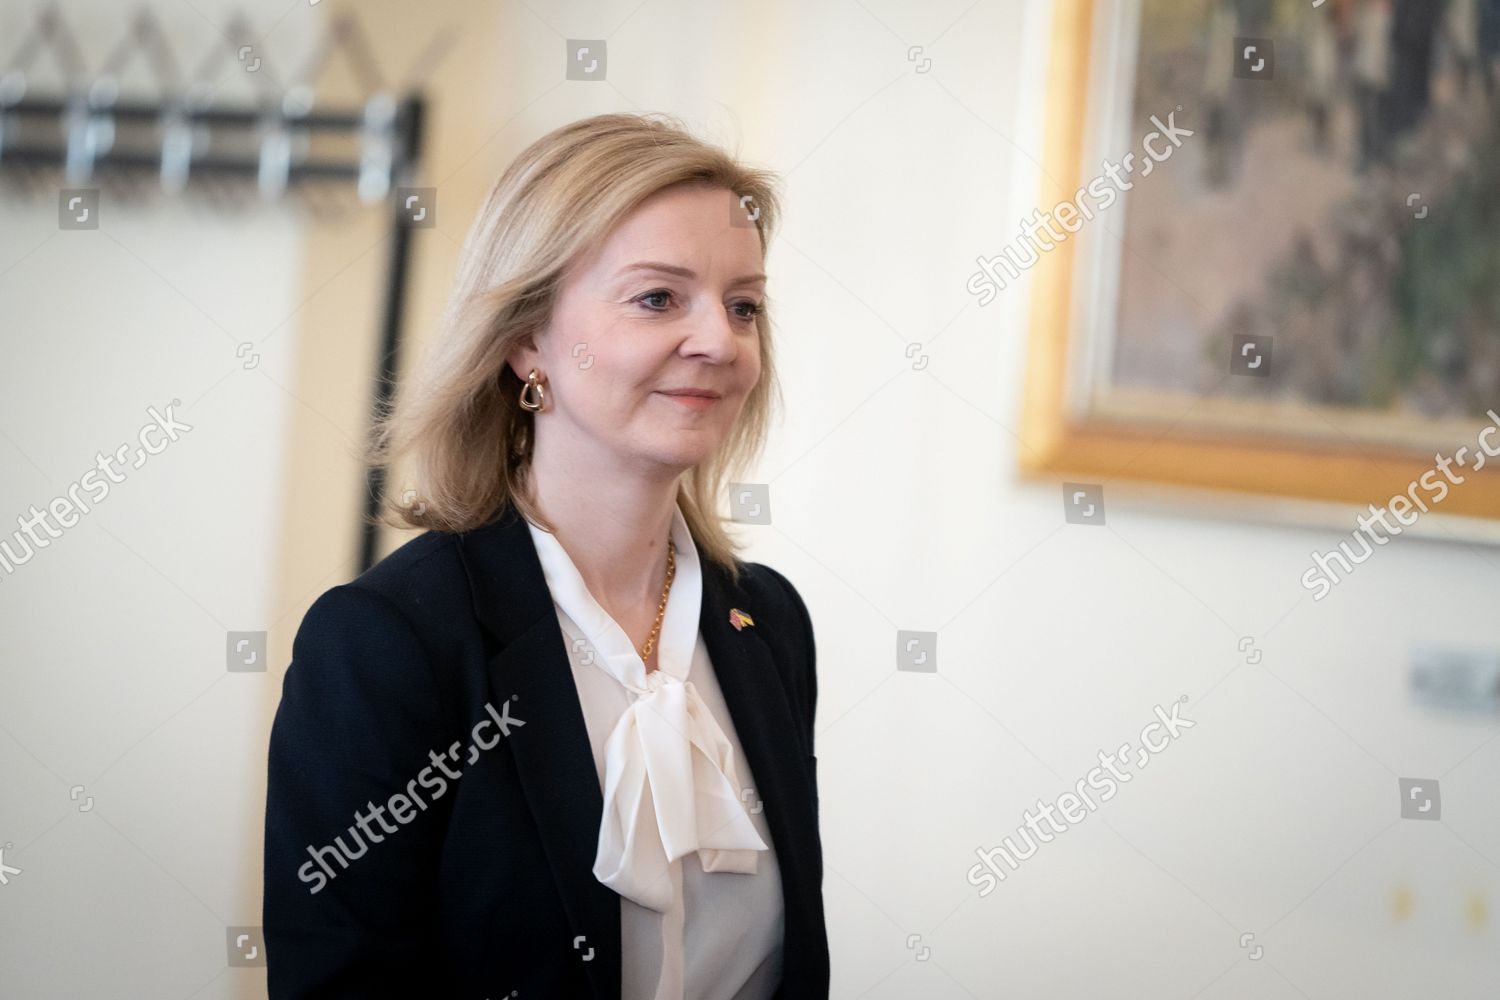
column 661, row 608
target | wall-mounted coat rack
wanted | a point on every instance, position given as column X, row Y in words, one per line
column 87, row 133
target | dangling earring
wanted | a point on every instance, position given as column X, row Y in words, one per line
column 534, row 385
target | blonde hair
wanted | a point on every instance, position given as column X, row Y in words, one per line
column 458, row 416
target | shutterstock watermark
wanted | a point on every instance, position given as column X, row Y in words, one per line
column 403, row 806
column 1405, row 507
column 67, row 508
column 1071, row 214
column 989, row 872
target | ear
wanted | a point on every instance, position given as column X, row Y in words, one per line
column 524, row 356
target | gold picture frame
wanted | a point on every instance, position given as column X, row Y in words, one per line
column 1133, row 437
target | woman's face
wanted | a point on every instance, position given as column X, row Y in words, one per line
column 666, row 304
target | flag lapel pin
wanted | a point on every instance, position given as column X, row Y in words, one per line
column 739, row 619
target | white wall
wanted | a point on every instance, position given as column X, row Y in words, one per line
column 114, row 651
column 895, row 506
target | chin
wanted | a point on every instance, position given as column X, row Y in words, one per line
column 685, row 459
column 679, row 453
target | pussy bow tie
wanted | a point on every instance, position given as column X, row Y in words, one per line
column 670, row 788
column 670, row 782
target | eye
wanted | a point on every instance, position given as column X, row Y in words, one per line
column 651, row 295
column 750, row 310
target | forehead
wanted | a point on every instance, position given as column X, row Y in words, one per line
column 688, row 226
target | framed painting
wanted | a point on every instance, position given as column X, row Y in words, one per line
column 1270, row 269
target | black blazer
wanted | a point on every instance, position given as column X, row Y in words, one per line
column 487, row 886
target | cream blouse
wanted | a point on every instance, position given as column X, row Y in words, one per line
column 684, row 839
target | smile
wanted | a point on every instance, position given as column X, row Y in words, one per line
column 691, row 402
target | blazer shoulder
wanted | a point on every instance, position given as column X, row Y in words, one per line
column 384, row 633
column 766, row 583
column 787, row 604
column 385, row 600
column 422, row 574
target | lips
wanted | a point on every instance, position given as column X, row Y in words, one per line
column 691, row 399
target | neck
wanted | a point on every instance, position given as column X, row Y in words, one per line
column 613, row 525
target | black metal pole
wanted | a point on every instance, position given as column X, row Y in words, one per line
column 387, row 362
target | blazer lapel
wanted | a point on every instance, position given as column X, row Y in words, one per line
column 555, row 760
column 767, row 730
column 552, row 752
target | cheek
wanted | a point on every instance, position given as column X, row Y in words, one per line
column 751, row 374
column 613, row 374
column 628, row 362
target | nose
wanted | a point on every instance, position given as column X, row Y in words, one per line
column 714, row 336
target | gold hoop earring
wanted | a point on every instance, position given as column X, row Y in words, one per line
column 533, row 385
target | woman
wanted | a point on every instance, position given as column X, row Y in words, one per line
column 561, row 743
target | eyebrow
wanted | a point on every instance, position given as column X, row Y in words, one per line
column 681, row 272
